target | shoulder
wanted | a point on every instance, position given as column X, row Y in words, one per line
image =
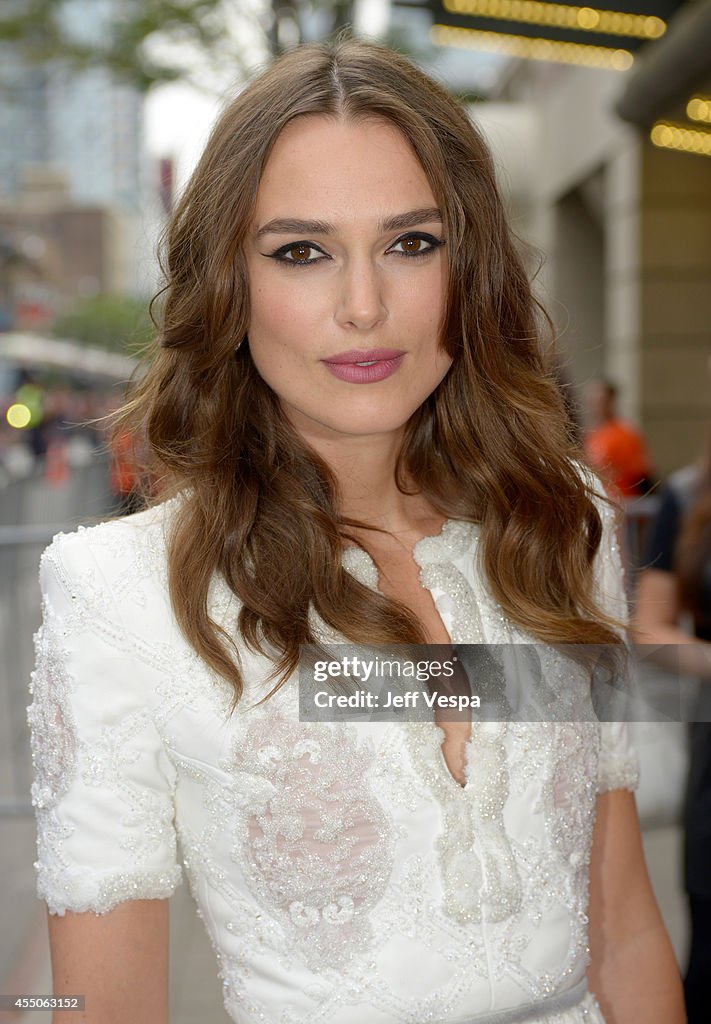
column 118, row 564
column 113, row 547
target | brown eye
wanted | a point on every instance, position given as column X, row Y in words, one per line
column 300, row 253
column 411, row 244
column 420, row 244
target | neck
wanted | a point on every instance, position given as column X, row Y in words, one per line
column 365, row 470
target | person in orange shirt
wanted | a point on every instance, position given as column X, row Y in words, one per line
column 614, row 448
column 123, row 474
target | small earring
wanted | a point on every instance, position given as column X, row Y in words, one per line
column 237, row 347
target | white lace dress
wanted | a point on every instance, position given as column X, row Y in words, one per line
column 342, row 874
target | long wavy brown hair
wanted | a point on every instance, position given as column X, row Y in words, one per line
column 491, row 445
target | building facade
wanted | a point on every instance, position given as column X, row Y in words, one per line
column 624, row 228
column 73, row 179
column 85, row 124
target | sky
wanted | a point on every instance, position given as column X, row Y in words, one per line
column 179, row 115
column 178, row 119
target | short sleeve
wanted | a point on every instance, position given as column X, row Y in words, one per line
column 618, row 765
column 103, row 786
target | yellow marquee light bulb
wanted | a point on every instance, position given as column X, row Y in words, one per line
column 655, row 27
column 542, row 12
column 662, row 135
column 532, row 49
column 588, row 18
column 684, row 140
column 699, row 109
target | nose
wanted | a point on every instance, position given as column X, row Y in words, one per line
column 361, row 302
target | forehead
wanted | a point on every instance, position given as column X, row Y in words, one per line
column 322, row 165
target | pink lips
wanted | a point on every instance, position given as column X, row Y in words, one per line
column 364, row 366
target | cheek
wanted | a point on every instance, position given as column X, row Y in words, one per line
column 281, row 318
column 421, row 297
column 441, row 365
column 280, row 334
column 420, row 324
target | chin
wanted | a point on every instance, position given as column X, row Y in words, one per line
column 358, row 426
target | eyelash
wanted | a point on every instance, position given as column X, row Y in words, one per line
column 280, row 254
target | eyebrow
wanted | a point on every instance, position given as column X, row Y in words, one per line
column 289, row 225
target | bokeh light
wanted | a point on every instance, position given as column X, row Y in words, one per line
column 18, row 416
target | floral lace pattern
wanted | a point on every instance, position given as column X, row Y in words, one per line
column 316, row 846
column 50, row 716
column 53, row 740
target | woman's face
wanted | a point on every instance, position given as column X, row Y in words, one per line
column 347, row 275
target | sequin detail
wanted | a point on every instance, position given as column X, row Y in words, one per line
column 315, row 846
column 479, row 873
column 110, row 759
column 53, row 744
column 50, row 717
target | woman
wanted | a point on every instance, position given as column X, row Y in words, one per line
column 350, row 402
column 677, row 583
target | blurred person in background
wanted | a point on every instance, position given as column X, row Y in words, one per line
column 124, row 477
column 126, row 454
column 56, row 425
column 674, row 592
column 614, row 448
column 33, row 395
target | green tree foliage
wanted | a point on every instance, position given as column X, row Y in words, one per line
column 114, row 322
column 154, row 41
column 146, row 43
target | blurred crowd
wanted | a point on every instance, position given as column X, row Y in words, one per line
column 49, row 431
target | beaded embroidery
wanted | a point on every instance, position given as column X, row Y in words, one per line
column 63, row 759
column 50, row 717
column 316, row 846
column 53, row 744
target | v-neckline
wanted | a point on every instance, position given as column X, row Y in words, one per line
column 455, row 539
